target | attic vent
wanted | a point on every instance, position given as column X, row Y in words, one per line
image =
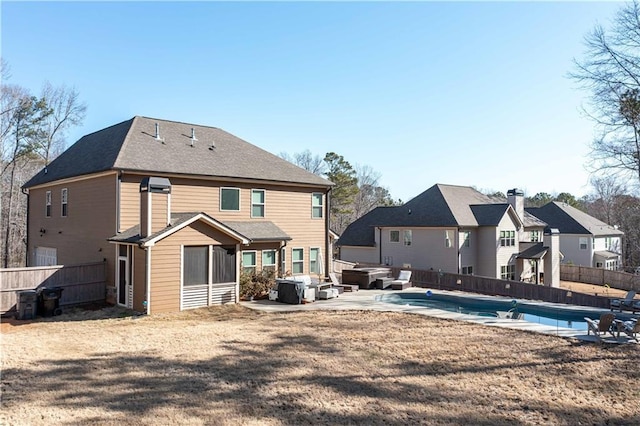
column 158, row 138
column 193, row 136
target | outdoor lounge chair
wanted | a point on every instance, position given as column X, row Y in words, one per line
column 631, row 328
column 402, row 282
column 602, row 326
column 625, row 303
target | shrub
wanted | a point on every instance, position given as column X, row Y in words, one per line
column 256, row 285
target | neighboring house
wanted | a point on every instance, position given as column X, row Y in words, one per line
column 584, row 240
column 176, row 211
column 459, row 230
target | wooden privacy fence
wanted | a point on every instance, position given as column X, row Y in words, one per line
column 81, row 283
column 599, row 276
column 495, row 287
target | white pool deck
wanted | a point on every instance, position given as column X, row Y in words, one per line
column 365, row 300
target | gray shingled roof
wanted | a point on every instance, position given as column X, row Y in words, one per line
column 132, row 145
column 569, row 220
column 258, row 231
column 132, row 235
column 536, row 251
column 440, row 205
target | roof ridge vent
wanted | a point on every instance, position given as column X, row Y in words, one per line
column 158, row 138
column 193, row 136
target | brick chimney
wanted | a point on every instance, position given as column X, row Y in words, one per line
column 155, row 205
column 515, row 197
column 552, row 258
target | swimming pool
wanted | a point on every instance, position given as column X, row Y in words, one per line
column 484, row 306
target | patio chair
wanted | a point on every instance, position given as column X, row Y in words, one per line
column 631, row 328
column 402, row 282
column 602, row 326
column 625, row 303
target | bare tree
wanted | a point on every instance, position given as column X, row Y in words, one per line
column 610, row 70
column 607, row 190
column 307, row 160
column 66, row 111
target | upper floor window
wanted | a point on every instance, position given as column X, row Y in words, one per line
column 63, row 198
column 257, row 202
column 394, row 236
column 467, row 238
column 230, row 199
column 447, row 239
column 408, row 237
column 583, row 243
column 47, row 203
column 316, row 205
column 607, row 243
column 269, row 260
column 249, row 262
column 535, row 236
column 507, row 238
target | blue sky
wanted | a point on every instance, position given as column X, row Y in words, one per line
column 467, row 93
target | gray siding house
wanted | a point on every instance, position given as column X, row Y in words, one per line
column 584, row 240
column 457, row 229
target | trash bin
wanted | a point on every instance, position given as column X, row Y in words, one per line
column 49, row 303
column 27, row 304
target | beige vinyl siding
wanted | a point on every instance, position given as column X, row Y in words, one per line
column 139, row 279
column 287, row 207
column 159, row 209
column 81, row 237
column 166, row 273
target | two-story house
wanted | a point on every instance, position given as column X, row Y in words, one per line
column 584, row 240
column 176, row 211
column 459, row 230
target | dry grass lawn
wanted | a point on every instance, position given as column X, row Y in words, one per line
column 229, row 366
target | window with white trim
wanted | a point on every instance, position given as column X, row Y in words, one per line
column 508, row 272
column 47, row 203
column 63, row 201
column 408, row 237
column 316, row 205
column 249, row 262
column 467, row 270
column 297, row 261
column 507, row 238
column 314, row 265
column 283, row 261
column 583, row 243
column 466, row 235
column 268, row 260
column 230, row 199
column 257, row 202
column 394, row 236
column 534, row 236
column 607, row 243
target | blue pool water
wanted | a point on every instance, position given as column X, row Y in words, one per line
column 541, row 314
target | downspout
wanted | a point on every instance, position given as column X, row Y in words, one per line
column 26, row 254
column 328, row 258
column 380, row 245
column 148, row 279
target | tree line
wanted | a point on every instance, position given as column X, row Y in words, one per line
column 32, row 133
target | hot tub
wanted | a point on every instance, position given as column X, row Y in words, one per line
column 364, row 277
